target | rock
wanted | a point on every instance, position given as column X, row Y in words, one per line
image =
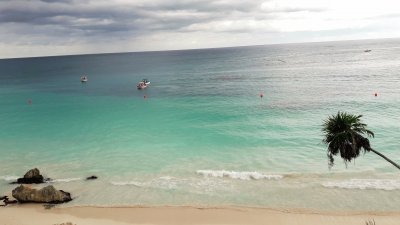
column 7, row 202
column 32, row 173
column 33, row 176
column 91, row 178
column 45, row 195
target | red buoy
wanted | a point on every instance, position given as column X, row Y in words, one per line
column 376, row 94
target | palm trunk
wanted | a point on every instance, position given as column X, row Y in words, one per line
column 381, row 155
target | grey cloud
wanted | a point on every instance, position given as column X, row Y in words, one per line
column 149, row 15
column 221, row 6
column 294, row 9
column 138, row 17
column 161, row 23
column 57, row 1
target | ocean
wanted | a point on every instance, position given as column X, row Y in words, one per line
column 200, row 134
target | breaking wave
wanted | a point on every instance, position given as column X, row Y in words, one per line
column 65, row 180
column 9, row 178
column 242, row 175
column 363, row 184
column 161, row 182
column 132, row 183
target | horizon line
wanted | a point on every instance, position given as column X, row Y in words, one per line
column 191, row 49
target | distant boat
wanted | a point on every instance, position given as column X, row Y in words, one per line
column 145, row 81
column 84, row 79
column 368, row 50
column 143, row 84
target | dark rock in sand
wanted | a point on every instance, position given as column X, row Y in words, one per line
column 91, row 178
column 7, row 202
column 33, row 176
column 45, row 195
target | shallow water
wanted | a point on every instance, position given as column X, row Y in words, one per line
column 203, row 135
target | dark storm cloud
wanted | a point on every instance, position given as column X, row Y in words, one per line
column 137, row 16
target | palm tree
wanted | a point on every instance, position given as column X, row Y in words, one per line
column 345, row 134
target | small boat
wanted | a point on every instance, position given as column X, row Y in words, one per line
column 143, row 84
column 84, row 79
column 145, row 81
column 368, row 50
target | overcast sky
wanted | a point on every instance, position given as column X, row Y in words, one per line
column 60, row 27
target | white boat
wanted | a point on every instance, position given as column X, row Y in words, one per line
column 145, row 81
column 143, row 84
column 84, row 79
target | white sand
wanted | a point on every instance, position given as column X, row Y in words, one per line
column 37, row 215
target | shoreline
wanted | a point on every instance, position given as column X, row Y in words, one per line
column 34, row 214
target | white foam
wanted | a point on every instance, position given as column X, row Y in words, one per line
column 363, row 184
column 165, row 182
column 9, row 178
column 242, row 175
column 133, row 183
column 65, row 180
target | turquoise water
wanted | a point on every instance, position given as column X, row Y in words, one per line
column 202, row 135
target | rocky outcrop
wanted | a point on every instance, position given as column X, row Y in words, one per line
column 91, row 178
column 6, row 201
column 45, row 195
column 33, row 176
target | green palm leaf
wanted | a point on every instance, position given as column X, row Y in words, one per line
column 345, row 135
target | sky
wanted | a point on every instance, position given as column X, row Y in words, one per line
column 64, row 27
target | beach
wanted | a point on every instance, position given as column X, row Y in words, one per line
column 38, row 215
column 203, row 146
column 199, row 112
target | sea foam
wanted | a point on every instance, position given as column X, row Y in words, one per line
column 132, row 183
column 241, row 175
column 64, row 180
column 165, row 182
column 9, row 178
column 363, row 184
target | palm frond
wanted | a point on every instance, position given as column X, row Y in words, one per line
column 344, row 134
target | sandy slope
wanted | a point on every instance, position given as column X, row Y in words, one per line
column 37, row 215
